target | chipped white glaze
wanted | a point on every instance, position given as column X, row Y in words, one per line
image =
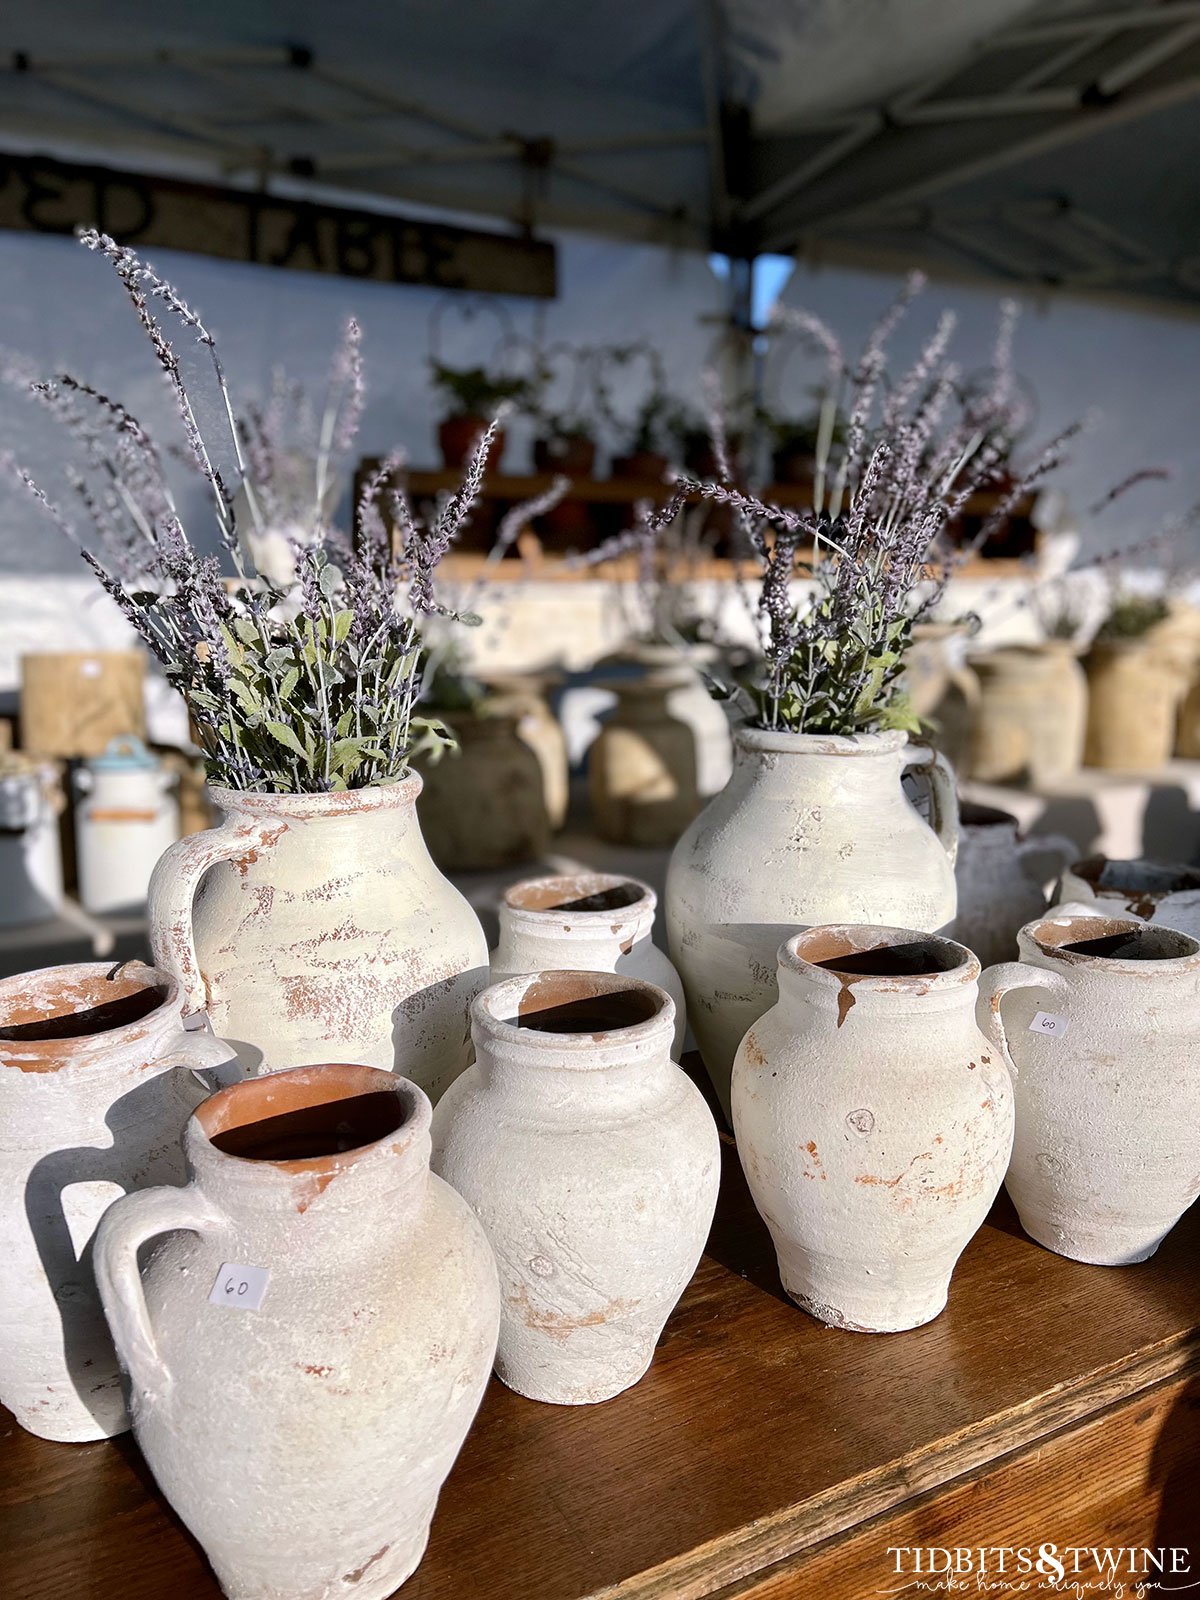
column 996, row 896
column 593, row 1164
column 873, row 1121
column 1163, row 892
column 304, row 1443
column 1108, row 1110
column 83, row 1119
column 589, row 921
column 313, row 927
column 808, row 830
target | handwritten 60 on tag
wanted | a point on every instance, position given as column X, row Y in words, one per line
column 1046, row 1022
column 240, row 1288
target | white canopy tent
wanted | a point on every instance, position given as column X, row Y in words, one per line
column 1042, row 143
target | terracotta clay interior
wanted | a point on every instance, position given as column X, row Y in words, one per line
column 302, row 1115
column 916, row 958
column 565, row 1002
column 79, row 1009
column 571, row 894
column 1115, row 940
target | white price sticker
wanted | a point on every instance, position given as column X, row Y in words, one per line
column 240, row 1288
column 1046, row 1022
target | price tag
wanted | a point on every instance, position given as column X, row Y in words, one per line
column 1046, row 1022
column 240, row 1288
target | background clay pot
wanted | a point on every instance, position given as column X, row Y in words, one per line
column 591, row 922
column 303, row 1438
column 572, row 453
column 943, row 690
column 94, row 1087
column 1165, row 892
column 1031, row 715
column 524, row 696
column 996, row 896
column 1135, row 687
column 808, row 830
column 485, row 804
column 649, row 465
column 1099, row 1021
column 316, row 925
column 873, row 1125
column 593, row 1164
column 457, row 437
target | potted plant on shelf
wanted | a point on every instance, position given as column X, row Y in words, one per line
column 814, row 825
column 645, row 439
column 322, row 930
column 472, row 397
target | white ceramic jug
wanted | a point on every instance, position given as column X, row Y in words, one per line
column 94, row 1089
column 1099, row 1020
column 315, row 927
column 808, row 830
column 593, row 1163
column 1163, row 892
column 126, row 818
column 311, row 1340
column 589, row 921
column 873, row 1121
column 996, row 895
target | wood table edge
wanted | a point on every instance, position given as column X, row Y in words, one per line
column 747, row 1551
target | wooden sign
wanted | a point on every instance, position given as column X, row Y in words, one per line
column 145, row 210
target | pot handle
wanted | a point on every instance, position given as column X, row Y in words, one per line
column 173, row 886
column 932, row 765
column 126, row 1225
column 213, row 1063
column 998, row 981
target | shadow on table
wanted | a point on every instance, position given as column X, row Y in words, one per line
column 1175, row 1472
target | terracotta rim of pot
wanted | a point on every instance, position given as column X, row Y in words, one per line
column 102, row 995
column 537, row 901
column 1166, row 948
column 781, row 742
column 256, row 1102
column 577, row 1011
column 925, row 962
column 396, row 796
column 1145, row 878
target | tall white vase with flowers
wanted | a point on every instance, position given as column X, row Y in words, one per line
column 311, row 925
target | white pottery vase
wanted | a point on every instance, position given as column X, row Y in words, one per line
column 996, row 896
column 315, row 926
column 693, row 705
column 1163, row 892
column 93, row 1092
column 590, row 922
column 873, row 1122
column 126, row 816
column 31, row 801
column 302, row 1426
column 592, row 1162
column 808, row 830
column 1099, row 1021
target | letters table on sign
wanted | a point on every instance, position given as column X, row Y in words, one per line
column 1052, row 1408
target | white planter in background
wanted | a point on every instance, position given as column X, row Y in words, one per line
column 321, row 930
column 591, row 922
column 873, row 1122
column 1163, row 892
column 996, row 897
column 593, row 1164
column 94, row 1089
column 303, row 1438
column 808, row 830
column 126, row 818
column 1099, row 1020
column 31, row 879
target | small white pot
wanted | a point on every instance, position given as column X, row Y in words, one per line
column 94, row 1088
column 590, row 922
column 1102, row 1043
column 303, row 1434
column 592, row 1162
column 126, row 817
column 1163, row 892
column 873, row 1121
column 996, row 897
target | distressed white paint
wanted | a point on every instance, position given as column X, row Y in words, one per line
column 304, row 1444
column 873, row 1125
column 82, row 1119
column 808, row 830
column 542, row 929
column 593, row 1164
column 1108, row 1108
column 321, row 930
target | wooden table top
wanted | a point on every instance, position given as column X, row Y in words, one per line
column 756, row 1433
